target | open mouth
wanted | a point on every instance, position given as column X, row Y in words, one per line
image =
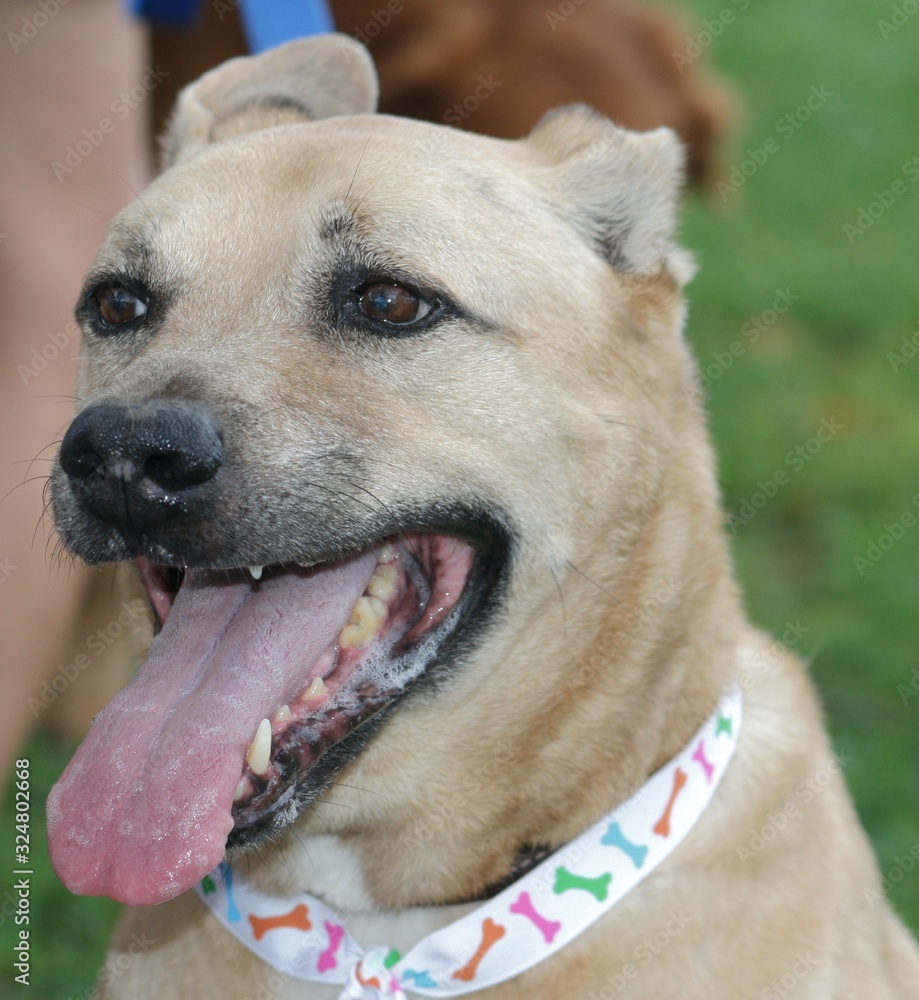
column 254, row 675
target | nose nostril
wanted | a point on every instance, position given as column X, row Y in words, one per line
column 178, row 470
column 161, row 470
column 81, row 463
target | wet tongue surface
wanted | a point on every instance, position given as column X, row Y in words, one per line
column 143, row 810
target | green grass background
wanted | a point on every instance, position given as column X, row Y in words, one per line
column 827, row 357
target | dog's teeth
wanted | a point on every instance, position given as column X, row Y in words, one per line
column 256, row 572
column 282, row 714
column 383, row 582
column 258, row 755
column 315, row 691
column 387, row 553
column 366, row 619
column 241, row 790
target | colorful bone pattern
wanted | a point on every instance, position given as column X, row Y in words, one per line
column 339, row 948
column 524, row 906
column 233, row 914
column 327, row 959
column 491, row 935
column 597, row 887
column 614, row 837
column 298, row 918
column 369, row 980
column 700, row 758
column 662, row 826
column 422, row 979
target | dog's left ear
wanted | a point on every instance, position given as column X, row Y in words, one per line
column 318, row 77
column 621, row 189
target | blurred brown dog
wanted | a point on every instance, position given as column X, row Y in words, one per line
column 432, row 56
column 497, row 66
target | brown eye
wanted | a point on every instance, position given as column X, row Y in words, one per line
column 118, row 305
column 394, row 304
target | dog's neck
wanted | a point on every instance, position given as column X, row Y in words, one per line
column 328, row 867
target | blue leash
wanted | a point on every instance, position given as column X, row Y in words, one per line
column 266, row 22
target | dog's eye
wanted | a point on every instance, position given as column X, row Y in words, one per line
column 393, row 304
column 118, row 305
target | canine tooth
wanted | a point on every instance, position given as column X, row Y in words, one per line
column 282, row 714
column 241, row 789
column 259, row 753
column 387, row 553
column 316, row 690
column 365, row 621
column 256, row 572
column 383, row 581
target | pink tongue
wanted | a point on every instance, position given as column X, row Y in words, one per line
column 143, row 810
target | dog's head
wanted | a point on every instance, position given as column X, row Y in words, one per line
column 384, row 413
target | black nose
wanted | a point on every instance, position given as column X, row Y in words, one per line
column 136, row 465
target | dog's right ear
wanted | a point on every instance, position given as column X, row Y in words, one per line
column 621, row 189
column 318, row 77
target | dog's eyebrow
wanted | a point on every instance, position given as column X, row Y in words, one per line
column 338, row 223
column 129, row 248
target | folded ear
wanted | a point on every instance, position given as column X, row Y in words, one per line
column 317, row 77
column 620, row 188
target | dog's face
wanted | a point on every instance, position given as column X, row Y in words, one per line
column 428, row 386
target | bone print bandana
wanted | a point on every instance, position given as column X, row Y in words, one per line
column 539, row 914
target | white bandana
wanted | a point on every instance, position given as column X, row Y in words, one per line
column 537, row 915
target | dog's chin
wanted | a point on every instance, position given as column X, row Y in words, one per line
column 260, row 686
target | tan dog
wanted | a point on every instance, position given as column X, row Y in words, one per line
column 446, row 372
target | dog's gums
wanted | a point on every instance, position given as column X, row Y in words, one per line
column 252, row 678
